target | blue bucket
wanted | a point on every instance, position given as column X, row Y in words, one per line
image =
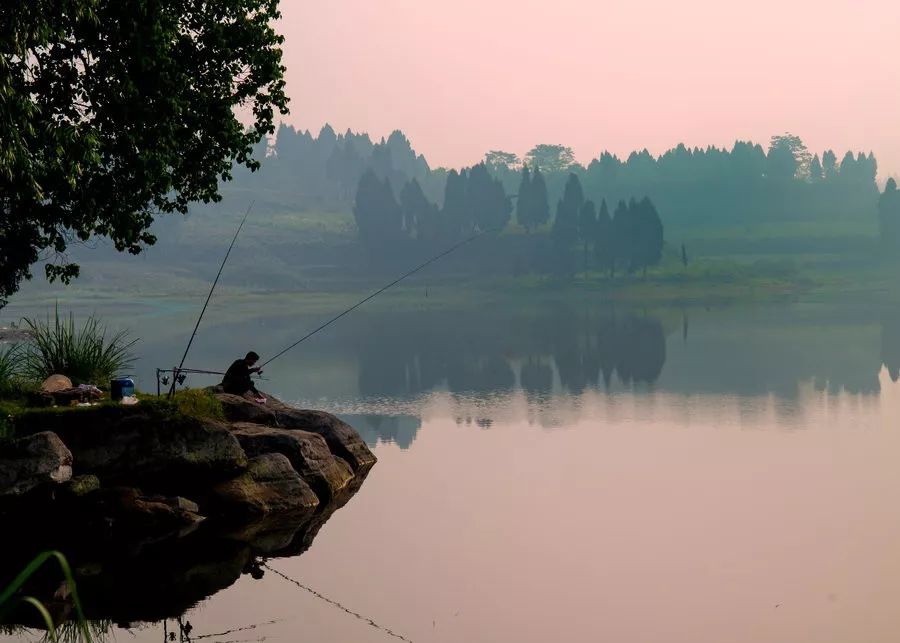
column 121, row 387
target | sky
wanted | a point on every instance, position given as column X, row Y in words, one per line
column 462, row 77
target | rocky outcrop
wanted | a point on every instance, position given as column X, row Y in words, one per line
column 143, row 447
column 269, row 485
column 163, row 510
column 150, row 470
column 33, row 461
column 342, row 439
column 307, row 452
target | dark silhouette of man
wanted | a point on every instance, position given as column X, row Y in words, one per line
column 237, row 378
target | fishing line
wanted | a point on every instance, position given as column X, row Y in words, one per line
column 378, row 292
column 208, row 297
column 362, row 618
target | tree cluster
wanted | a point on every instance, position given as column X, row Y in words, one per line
column 474, row 202
column 324, row 171
column 631, row 239
column 744, row 184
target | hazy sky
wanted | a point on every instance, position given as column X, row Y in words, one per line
column 464, row 76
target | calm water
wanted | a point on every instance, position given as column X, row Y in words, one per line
column 577, row 473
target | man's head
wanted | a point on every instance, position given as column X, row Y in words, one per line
column 251, row 358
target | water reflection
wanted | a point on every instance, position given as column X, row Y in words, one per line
column 129, row 578
column 403, row 360
column 890, row 344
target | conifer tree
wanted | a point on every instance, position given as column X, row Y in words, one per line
column 565, row 226
column 524, row 203
column 587, row 221
column 603, row 239
column 816, row 174
column 620, row 254
column 540, row 202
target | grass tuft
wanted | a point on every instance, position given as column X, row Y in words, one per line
column 10, row 367
column 199, row 403
column 86, row 354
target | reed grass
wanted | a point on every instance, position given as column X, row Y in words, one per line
column 10, row 367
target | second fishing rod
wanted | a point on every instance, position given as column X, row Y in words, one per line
column 374, row 294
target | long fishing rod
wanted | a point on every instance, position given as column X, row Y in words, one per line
column 378, row 292
column 208, row 297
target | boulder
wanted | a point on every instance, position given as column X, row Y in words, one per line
column 307, row 452
column 33, row 461
column 269, row 485
column 143, row 446
column 342, row 439
column 56, row 383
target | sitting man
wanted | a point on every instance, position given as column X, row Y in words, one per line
column 237, row 379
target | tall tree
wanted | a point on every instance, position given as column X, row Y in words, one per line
column 816, row 173
column 551, row 159
column 379, row 217
column 418, row 212
column 524, row 201
column 540, row 199
column 114, row 112
column 486, row 200
column 587, row 222
column 604, row 242
column 829, row 165
column 889, row 218
column 498, row 161
column 648, row 236
column 621, row 239
column 565, row 225
column 788, row 158
column 454, row 215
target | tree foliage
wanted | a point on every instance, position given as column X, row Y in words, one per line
column 117, row 111
column 889, row 218
column 551, row 158
column 565, row 225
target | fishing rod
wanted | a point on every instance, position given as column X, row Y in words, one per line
column 206, row 303
column 446, row 252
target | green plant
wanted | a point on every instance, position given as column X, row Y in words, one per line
column 11, row 595
column 10, row 367
column 199, row 403
column 84, row 354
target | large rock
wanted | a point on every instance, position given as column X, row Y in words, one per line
column 308, row 453
column 143, row 446
column 269, row 485
column 33, row 461
column 342, row 439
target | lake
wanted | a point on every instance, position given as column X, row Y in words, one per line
column 570, row 471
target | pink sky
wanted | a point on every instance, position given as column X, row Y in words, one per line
column 465, row 76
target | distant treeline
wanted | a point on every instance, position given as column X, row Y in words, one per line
column 323, row 171
column 397, row 196
column 475, row 203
